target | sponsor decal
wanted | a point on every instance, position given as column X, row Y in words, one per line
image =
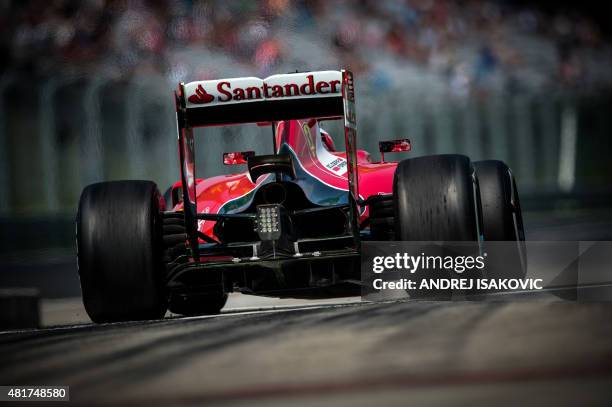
column 315, row 84
column 337, row 166
column 331, row 162
column 350, row 86
column 227, row 93
column 201, row 96
column 348, row 94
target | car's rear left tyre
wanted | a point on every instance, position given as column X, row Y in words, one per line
column 119, row 247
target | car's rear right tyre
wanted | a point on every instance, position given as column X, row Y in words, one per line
column 119, row 247
column 502, row 220
column 436, row 199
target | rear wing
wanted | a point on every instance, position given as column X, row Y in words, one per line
column 321, row 95
column 275, row 98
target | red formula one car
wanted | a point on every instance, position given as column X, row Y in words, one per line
column 290, row 225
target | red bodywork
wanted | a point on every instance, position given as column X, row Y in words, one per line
column 305, row 139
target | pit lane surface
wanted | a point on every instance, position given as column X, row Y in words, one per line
column 529, row 351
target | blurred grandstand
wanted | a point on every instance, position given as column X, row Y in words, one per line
column 467, row 46
column 85, row 85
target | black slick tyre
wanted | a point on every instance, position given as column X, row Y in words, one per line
column 502, row 219
column 119, row 247
column 435, row 199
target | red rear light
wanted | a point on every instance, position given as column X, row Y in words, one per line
column 238, row 157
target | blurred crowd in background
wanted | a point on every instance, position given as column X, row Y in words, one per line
column 470, row 47
column 86, row 85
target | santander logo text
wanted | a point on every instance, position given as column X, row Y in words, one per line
column 320, row 84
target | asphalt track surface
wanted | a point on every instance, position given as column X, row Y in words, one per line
column 505, row 351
